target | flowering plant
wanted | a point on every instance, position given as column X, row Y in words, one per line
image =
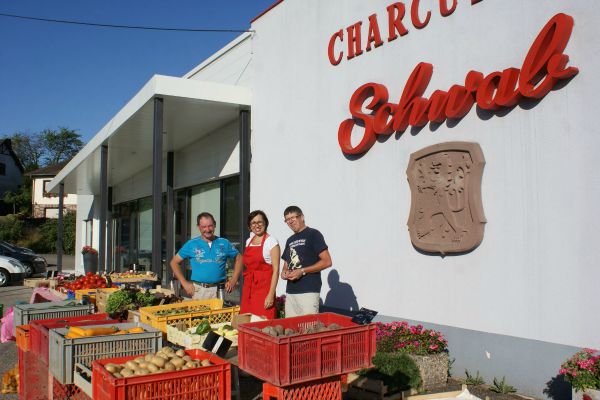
column 280, row 306
column 88, row 250
column 401, row 337
column 582, row 370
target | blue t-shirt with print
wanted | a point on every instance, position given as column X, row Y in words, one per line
column 208, row 262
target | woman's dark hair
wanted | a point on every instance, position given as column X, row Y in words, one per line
column 254, row 214
column 205, row 215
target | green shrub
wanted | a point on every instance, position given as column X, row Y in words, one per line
column 46, row 242
column 397, row 370
column 11, row 228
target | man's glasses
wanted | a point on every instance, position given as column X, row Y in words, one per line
column 291, row 218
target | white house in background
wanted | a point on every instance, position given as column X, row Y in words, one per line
column 11, row 169
column 45, row 204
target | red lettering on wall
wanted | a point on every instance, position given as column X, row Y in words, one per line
column 373, row 36
column 354, row 46
column 331, row 48
column 414, row 15
column 544, row 65
column 444, row 10
column 395, row 14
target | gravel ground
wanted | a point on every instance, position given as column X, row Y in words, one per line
column 9, row 296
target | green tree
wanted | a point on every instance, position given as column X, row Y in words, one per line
column 45, row 148
column 20, row 199
column 60, row 145
column 28, row 148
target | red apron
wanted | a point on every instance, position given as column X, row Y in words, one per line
column 257, row 282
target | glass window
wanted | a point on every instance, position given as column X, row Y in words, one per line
column 204, row 198
column 230, row 226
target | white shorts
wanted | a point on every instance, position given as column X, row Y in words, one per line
column 203, row 293
column 301, row 304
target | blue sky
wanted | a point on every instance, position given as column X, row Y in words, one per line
column 78, row 77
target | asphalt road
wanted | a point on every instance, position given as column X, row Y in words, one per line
column 9, row 296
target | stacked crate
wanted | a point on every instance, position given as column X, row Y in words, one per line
column 305, row 364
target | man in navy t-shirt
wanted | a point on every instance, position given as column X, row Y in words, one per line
column 208, row 256
column 305, row 255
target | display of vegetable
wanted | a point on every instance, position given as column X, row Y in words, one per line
column 203, row 328
column 120, row 301
column 145, row 299
column 165, row 360
column 278, row 330
column 181, row 310
column 79, row 332
column 88, row 281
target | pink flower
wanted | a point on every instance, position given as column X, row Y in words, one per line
column 433, row 347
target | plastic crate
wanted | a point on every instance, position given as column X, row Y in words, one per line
column 65, row 353
column 24, row 313
column 203, row 383
column 58, row 391
column 181, row 335
column 215, row 315
column 23, row 337
column 102, row 296
column 39, row 330
column 91, row 293
column 288, row 360
column 33, row 377
column 325, row 389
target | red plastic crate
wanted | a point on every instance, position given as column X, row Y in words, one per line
column 33, row 377
column 202, row 383
column 288, row 360
column 23, row 338
column 39, row 329
column 325, row 389
column 66, row 392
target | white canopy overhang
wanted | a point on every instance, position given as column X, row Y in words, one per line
column 192, row 109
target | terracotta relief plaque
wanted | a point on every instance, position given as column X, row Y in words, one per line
column 446, row 213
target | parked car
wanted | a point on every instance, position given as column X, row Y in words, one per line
column 31, row 261
column 11, row 270
column 17, row 248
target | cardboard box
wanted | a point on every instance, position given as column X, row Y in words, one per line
column 240, row 319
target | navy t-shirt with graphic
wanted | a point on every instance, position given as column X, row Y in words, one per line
column 302, row 250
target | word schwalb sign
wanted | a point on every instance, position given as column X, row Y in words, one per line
column 544, row 66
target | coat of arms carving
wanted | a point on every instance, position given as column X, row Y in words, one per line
column 446, row 212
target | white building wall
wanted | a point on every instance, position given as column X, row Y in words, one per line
column 533, row 276
column 232, row 65
column 214, row 155
column 85, row 211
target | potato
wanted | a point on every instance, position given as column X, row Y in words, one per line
column 170, row 367
column 149, row 357
column 152, row 368
column 112, row 368
column 168, row 350
column 117, row 375
column 141, row 371
column 180, row 353
column 126, row 372
column 132, row 365
column 190, row 364
column 144, row 364
column 139, row 360
column 206, row 362
column 178, row 362
column 187, row 358
column 158, row 361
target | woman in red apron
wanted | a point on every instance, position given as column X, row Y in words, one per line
column 261, row 258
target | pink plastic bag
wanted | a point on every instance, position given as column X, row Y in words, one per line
column 6, row 333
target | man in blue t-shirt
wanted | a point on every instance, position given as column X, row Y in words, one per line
column 208, row 256
column 305, row 255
